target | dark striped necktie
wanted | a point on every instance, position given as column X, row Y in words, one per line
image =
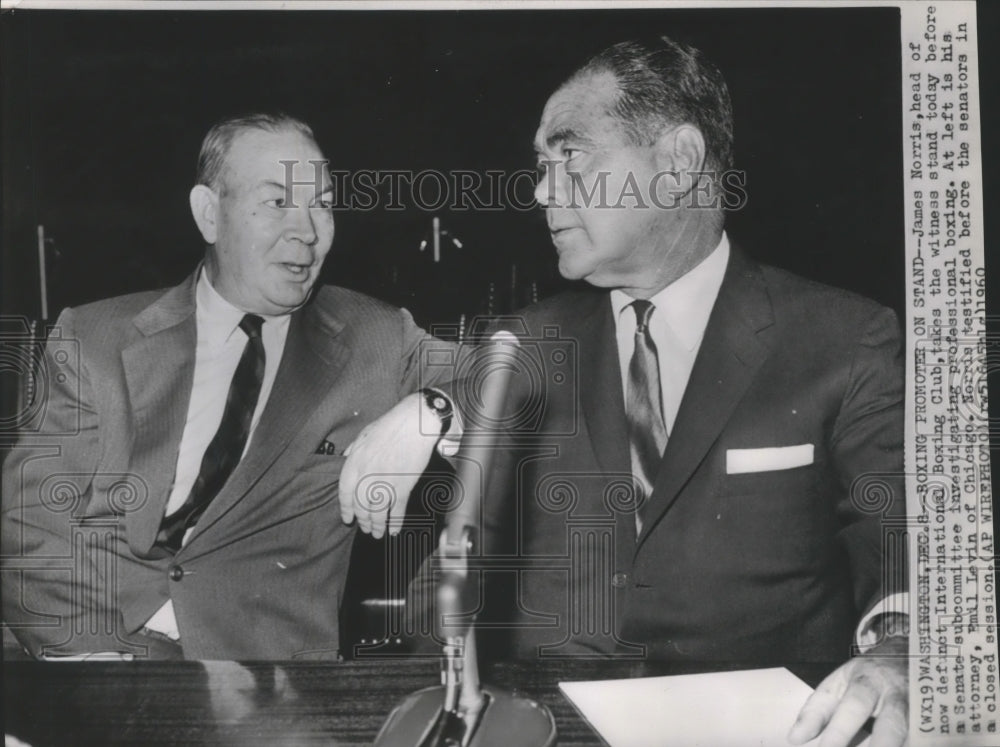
column 226, row 448
column 644, row 407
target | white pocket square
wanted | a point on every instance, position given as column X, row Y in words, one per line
column 739, row 461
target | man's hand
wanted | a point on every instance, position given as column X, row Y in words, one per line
column 384, row 463
column 873, row 684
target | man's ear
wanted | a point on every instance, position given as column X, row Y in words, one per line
column 681, row 152
column 681, row 149
column 205, row 209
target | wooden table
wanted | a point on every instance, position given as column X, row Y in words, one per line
column 285, row 703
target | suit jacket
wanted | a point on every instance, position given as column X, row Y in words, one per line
column 769, row 566
column 262, row 575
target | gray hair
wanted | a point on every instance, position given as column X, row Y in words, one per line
column 215, row 147
column 664, row 83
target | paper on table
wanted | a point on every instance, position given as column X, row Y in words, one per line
column 753, row 708
column 94, row 656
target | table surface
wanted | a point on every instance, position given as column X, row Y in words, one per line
column 272, row 703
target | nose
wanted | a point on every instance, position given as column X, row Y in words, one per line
column 550, row 190
column 301, row 225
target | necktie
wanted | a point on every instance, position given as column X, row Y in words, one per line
column 226, row 448
column 644, row 408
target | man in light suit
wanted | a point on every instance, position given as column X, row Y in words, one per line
column 179, row 497
column 706, row 463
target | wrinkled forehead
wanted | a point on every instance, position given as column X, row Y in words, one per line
column 288, row 157
column 579, row 111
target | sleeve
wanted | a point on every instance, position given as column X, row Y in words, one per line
column 889, row 617
column 426, row 360
column 867, row 449
column 55, row 598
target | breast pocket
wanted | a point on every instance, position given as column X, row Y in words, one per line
column 780, row 482
column 776, row 522
column 756, row 470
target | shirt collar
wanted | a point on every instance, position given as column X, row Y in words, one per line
column 687, row 302
column 217, row 318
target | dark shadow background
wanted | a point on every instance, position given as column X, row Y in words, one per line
column 104, row 113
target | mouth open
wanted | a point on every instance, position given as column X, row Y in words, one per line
column 295, row 270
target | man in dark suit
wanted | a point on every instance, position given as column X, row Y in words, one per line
column 180, row 495
column 705, row 463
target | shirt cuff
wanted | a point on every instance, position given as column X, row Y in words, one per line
column 867, row 635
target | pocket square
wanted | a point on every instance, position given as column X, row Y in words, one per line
column 740, row 461
column 326, row 447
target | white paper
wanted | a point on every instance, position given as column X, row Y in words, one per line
column 753, row 708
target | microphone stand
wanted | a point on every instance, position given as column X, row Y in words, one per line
column 461, row 712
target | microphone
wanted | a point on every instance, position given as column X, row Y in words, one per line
column 462, row 712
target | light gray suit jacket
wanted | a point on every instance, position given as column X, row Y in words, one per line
column 262, row 575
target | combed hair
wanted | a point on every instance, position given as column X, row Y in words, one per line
column 665, row 83
column 215, row 147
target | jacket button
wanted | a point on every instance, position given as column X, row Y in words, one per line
column 176, row 573
column 619, row 580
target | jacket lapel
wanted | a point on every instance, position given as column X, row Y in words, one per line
column 732, row 350
column 601, row 384
column 310, row 365
column 159, row 370
column 603, row 404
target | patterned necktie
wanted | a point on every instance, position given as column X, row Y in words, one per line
column 226, row 448
column 644, row 408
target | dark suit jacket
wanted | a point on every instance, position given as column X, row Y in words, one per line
column 262, row 575
column 772, row 566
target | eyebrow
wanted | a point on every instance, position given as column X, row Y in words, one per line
column 278, row 185
column 562, row 135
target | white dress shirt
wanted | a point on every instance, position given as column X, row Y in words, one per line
column 676, row 325
column 217, row 354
